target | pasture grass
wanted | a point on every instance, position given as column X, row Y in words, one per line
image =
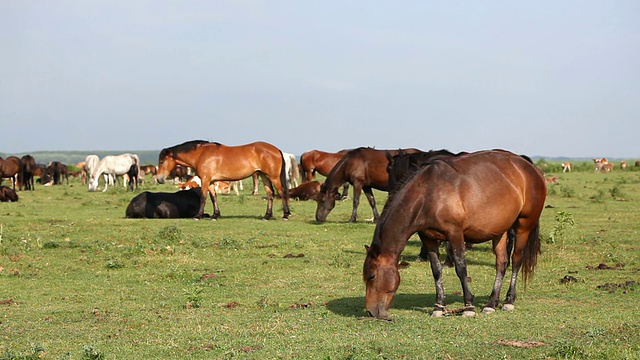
column 79, row 281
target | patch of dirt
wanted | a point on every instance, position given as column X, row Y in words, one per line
column 290, row 255
column 568, row 279
column 603, row 266
column 301, row 305
column 208, row 276
column 403, row 265
column 250, row 349
column 612, row 287
column 232, row 305
column 7, row 302
column 519, row 343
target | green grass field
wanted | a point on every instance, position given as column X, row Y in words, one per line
column 79, row 281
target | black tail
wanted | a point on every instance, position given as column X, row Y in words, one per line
column 285, row 188
column 530, row 256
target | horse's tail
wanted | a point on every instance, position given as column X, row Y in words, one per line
column 303, row 169
column 283, row 178
column 295, row 175
column 530, row 256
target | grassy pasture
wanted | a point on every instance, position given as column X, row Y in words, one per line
column 79, row 281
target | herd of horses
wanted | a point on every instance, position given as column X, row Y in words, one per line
column 444, row 197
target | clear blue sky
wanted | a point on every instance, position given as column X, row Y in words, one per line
column 543, row 78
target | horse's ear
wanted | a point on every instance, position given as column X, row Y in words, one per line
column 367, row 247
column 389, row 156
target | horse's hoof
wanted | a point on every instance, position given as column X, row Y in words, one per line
column 468, row 313
column 437, row 313
column 508, row 307
column 488, row 310
column 214, row 219
column 195, row 218
column 285, row 219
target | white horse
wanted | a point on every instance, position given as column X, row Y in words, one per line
column 112, row 165
column 291, row 167
column 90, row 164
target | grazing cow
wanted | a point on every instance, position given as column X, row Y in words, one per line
column 606, row 167
column 28, row 169
column 566, row 166
column 551, row 179
column 306, row 191
column 164, row 205
column 7, row 194
column 623, row 165
column 599, row 162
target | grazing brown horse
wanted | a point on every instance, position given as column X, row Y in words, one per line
column 10, row 168
column 215, row 162
column 365, row 169
column 316, row 161
column 484, row 196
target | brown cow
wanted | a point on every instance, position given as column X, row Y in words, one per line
column 623, row 165
column 606, row 167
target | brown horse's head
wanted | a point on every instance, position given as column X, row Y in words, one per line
column 381, row 276
column 166, row 163
column 326, row 200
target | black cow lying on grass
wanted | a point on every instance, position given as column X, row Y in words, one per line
column 7, row 194
column 164, row 205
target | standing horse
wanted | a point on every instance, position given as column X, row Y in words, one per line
column 28, row 167
column 316, row 161
column 56, row 170
column 215, row 162
column 10, row 168
column 484, row 196
column 112, row 165
column 365, row 169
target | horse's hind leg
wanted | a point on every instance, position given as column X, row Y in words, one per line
column 372, row 201
column 268, row 187
column 502, row 262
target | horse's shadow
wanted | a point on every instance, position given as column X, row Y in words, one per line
column 354, row 306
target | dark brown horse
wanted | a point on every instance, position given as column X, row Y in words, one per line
column 483, row 196
column 316, row 161
column 57, row 171
column 7, row 194
column 215, row 162
column 28, row 167
column 365, row 169
column 10, row 168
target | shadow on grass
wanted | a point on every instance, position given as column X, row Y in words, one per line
column 354, row 306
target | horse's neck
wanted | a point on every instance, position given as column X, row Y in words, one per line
column 336, row 177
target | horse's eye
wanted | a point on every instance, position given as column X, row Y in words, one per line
column 371, row 277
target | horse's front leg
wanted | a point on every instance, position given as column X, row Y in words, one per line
column 356, row 201
column 106, row 181
column 502, row 261
column 372, row 201
column 345, row 191
column 456, row 240
column 430, row 248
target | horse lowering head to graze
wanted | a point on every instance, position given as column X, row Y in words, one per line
column 164, row 205
column 484, row 196
column 11, row 168
column 317, row 161
column 566, row 166
column 365, row 169
column 112, row 165
column 57, row 171
column 8, row 194
column 28, row 169
column 216, row 162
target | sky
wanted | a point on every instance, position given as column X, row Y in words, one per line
column 542, row 78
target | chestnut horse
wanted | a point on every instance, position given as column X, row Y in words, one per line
column 215, row 162
column 10, row 168
column 483, row 196
column 365, row 169
column 316, row 161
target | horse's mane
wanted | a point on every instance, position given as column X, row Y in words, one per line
column 184, row 147
column 415, row 162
